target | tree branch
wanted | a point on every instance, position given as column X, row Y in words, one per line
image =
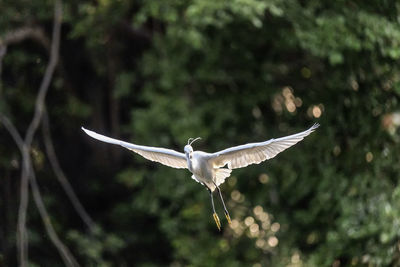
column 12, row 131
column 22, row 239
column 66, row 255
column 23, row 33
column 60, row 174
column 3, row 50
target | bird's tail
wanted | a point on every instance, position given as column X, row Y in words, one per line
column 221, row 174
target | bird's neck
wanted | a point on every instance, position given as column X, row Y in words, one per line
column 190, row 165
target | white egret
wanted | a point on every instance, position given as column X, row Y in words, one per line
column 211, row 169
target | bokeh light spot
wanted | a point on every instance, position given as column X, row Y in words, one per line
column 305, row 72
column 354, row 85
column 263, row 178
column 316, row 111
column 312, row 238
column 273, row 241
column 232, row 181
column 290, row 106
column 235, row 195
column 256, row 112
column 369, row 157
column 295, row 258
column 298, row 102
column 254, row 228
column 265, row 225
column 249, row 221
column 257, row 210
column 260, row 243
column 264, row 217
column 275, row 227
column 234, row 224
column 336, row 150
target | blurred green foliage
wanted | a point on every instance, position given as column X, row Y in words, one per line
column 158, row 72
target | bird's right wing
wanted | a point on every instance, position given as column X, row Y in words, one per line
column 254, row 153
column 164, row 156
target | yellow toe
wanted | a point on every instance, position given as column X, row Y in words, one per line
column 228, row 218
column 217, row 221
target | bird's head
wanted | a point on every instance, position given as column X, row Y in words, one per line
column 188, row 148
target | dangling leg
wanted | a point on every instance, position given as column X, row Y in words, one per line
column 216, row 218
column 228, row 218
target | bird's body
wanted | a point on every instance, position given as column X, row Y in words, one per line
column 200, row 167
column 211, row 169
column 203, row 170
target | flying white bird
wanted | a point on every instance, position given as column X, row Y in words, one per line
column 211, row 169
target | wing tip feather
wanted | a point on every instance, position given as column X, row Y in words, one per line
column 86, row 130
column 315, row 126
column 92, row 134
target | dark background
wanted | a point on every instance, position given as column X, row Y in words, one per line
column 158, row 72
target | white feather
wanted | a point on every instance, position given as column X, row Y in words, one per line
column 254, row 153
column 221, row 174
column 164, row 156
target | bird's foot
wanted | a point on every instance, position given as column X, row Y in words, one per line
column 228, row 218
column 217, row 221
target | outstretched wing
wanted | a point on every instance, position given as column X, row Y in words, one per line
column 164, row 156
column 254, row 153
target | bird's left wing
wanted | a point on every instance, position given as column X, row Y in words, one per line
column 164, row 156
column 254, row 153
